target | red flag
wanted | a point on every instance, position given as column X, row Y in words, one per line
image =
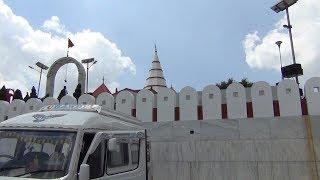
column 70, row 44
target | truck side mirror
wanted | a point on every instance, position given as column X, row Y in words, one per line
column 112, row 145
column 84, row 173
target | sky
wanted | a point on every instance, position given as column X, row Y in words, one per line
column 199, row 42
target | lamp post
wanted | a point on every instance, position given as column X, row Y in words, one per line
column 42, row 67
column 278, row 43
column 88, row 61
column 281, row 6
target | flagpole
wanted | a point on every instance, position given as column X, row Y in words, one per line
column 68, row 49
column 70, row 44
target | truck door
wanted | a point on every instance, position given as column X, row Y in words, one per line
column 127, row 162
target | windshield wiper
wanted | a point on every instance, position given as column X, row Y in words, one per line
column 40, row 171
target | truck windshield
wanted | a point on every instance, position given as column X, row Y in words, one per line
column 35, row 154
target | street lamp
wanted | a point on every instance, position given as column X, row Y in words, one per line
column 278, row 43
column 88, row 61
column 292, row 70
column 42, row 67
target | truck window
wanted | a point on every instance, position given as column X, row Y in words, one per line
column 135, row 149
column 120, row 158
column 87, row 139
column 96, row 162
column 119, row 161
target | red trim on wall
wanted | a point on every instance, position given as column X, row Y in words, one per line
column 154, row 115
column 200, row 113
column 224, row 111
column 304, row 106
column 249, row 110
column 133, row 112
column 176, row 114
column 276, row 108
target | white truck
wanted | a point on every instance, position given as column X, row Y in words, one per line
column 70, row 142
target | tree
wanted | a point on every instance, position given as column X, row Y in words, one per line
column 3, row 93
column 27, row 97
column 63, row 92
column 77, row 92
column 246, row 83
column 17, row 94
column 225, row 84
column 33, row 93
column 47, row 95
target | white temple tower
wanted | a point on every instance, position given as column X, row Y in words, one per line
column 155, row 79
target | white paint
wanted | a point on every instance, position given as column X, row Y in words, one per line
column 52, row 72
column 262, row 99
column 67, row 99
column 211, row 102
column 166, row 100
column 105, row 100
column 144, row 105
column 4, row 107
column 236, row 101
column 86, row 99
column 312, row 94
column 188, row 102
column 16, row 108
column 50, row 101
column 32, row 105
column 289, row 98
column 210, row 98
column 125, row 102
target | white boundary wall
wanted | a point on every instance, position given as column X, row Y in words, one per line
column 188, row 99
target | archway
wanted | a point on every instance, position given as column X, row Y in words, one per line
column 56, row 66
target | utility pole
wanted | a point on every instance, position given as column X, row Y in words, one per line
column 42, row 67
column 88, row 61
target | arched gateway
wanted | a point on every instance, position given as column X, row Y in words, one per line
column 56, row 66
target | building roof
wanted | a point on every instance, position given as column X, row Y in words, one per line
column 102, row 88
column 134, row 91
column 156, row 78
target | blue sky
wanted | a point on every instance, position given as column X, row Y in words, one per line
column 199, row 42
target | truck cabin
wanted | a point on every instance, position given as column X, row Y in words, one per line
column 72, row 142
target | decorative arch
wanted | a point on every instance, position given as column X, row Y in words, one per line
column 52, row 72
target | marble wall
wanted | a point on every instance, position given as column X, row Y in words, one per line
column 235, row 102
column 242, row 149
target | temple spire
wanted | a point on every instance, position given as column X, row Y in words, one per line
column 156, row 58
column 155, row 79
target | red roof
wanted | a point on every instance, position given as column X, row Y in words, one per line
column 127, row 89
column 102, row 88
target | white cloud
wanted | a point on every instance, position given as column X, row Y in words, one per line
column 22, row 45
column 54, row 24
column 262, row 53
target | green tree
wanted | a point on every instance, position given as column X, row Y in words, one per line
column 47, row 95
column 246, row 83
column 3, row 93
column 224, row 84
column 63, row 92
column 77, row 92
column 33, row 93
column 27, row 97
column 17, row 94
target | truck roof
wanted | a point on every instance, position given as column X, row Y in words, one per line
column 74, row 117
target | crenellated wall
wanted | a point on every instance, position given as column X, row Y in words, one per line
column 261, row 100
column 244, row 133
